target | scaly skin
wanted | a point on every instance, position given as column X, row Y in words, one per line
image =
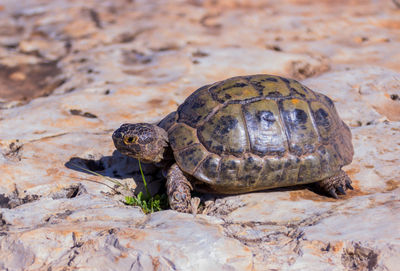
column 178, row 190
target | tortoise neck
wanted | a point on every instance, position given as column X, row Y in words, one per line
column 168, row 158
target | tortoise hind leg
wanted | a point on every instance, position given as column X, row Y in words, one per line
column 337, row 184
column 178, row 190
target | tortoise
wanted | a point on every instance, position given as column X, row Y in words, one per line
column 244, row 134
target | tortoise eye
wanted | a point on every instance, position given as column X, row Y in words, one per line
column 130, row 139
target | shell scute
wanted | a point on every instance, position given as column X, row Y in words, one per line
column 269, row 86
column 188, row 159
column 182, row 136
column 229, row 171
column 250, row 169
column 208, row 171
column 309, row 169
column 266, row 134
column 224, row 132
column 196, row 107
column 324, row 120
column 272, row 171
column 328, row 158
column 301, row 133
column 233, row 89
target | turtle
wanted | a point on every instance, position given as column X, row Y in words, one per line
column 245, row 134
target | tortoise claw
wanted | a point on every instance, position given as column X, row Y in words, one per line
column 333, row 193
column 341, row 190
column 348, row 185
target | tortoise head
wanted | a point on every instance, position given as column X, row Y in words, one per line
column 143, row 141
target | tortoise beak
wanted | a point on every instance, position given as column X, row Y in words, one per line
column 117, row 138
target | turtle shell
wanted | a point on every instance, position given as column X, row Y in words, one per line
column 256, row 132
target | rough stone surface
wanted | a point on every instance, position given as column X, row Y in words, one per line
column 73, row 71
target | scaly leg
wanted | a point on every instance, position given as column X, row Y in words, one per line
column 336, row 184
column 178, row 190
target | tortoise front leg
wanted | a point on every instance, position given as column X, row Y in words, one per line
column 337, row 183
column 178, row 190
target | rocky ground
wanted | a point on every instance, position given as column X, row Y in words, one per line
column 73, row 71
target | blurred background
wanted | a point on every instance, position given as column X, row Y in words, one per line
column 60, row 46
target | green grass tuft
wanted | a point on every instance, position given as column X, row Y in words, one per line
column 148, row 203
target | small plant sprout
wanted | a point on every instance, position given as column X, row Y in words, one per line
column 148, row 203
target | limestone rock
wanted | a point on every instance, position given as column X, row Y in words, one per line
column 73, row 71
